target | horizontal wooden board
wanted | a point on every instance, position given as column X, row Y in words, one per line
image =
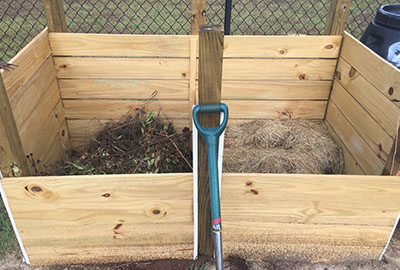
column 69, row 44
column 83, row 130
column 121, row 68
column 384, row 111
column 28, row 60
column 124, row 89
column 282, row 46
column 114, row 109
column 298, row 90
column 94, row 219
column 375, row 69
column 30, row 96
column 313, row 217
column 359, row 149
column 267, row 109
column 278, row 69
column 351, row 166
column 373, row 134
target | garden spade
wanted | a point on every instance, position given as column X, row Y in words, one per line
column 211, row 136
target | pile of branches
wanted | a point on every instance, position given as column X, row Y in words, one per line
column 137, row 143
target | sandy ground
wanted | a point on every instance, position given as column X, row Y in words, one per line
column 390, row 262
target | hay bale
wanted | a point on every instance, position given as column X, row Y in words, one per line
column 281, row 146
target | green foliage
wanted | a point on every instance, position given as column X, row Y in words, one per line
column 8, row 241
column 197, row 266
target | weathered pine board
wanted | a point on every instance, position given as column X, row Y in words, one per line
column 123, row 89
column 68, row 44
column 315, row 217
column 272, row 90
column 279, row 69
column 351, row 166
column 114, row 109
column 359, row 149
column 373, row 134
column 94, row 219
column 28, row 60
column 384, row 111
column 384, row 76
column 82, row 130
column 29, row 97
column 173, row 68
column 121, row 68
column 268, row 109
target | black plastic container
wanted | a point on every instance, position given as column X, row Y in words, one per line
column 383, row 33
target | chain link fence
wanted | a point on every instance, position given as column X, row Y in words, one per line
column 21, row 20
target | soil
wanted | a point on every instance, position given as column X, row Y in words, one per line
column 391, row 261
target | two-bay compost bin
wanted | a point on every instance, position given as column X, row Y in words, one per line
column 66, row 84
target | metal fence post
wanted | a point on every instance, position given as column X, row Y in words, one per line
column 228, row 17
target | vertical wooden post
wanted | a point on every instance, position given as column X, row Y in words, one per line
column 55, row 15
column 211, row 43
column 13, row 161
column 198, row 15
column 337, row 17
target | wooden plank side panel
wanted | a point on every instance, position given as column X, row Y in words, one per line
column 362, row 153
column 30, row 96
column 121, row 68
column 114, row 109
column 351, row 166
column 28, row 60
column 381, row 74
column 82, row 130
column 94, row 219
column 315, row 217
column 279, row 69
column 267, row 109
column 373, row 134
column 293, row 90
column 384, row 111
column 71, row 44
column 123, row 89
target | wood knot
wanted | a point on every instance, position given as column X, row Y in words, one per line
column 287, row 113
column 352, row 72
column 56, row 115
column 303, row 77
column 36, row 189
column 156, row 211
column 249, row 183
column 106, row 195
column 183, row 74
column 391, row 91
column 283, row 51
column 329, row 47
column 255, row 192
column 63, row 133
column 63, row 66
column 338, row 75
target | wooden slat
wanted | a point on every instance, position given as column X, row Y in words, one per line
column 83, row 130
column 72, row 44
column 278, row 69
column 282, row 46
column 313, row 217
column 380, row 73
column 113, row 109
column 350, row 137
column 371, row 99
column 28, row 60
column 29, row 97
column 299, row 90
column 373, row 134
column 122, row 68
column 192, row 80
column 267, row 109
column 96, row 219
column 123, row 89
column 351, row 166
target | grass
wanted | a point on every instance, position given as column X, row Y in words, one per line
column 8, row 242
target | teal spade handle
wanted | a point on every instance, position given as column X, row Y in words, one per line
column 211, row 136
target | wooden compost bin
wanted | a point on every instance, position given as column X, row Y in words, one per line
column 67, row 85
